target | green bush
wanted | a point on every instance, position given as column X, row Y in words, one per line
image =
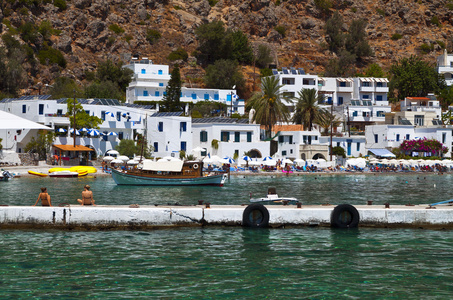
column 180, row 53
column 281, row 29
column 116, row 28
column 435, row 21
column 23, row 11
column 396, row 36
column 450, row 5
column 110, row 41
column 425, row 48
column 213, row 2
column 152, row 36
column 354, row 9
column 441, row 44
column 380, row 12
column 265, row 72
column 177, row 7
column 323, row 5
column 61, row 4
column 49, row 55
column 128, row 38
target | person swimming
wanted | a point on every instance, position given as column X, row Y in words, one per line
column 87, row 197
column 44, row 197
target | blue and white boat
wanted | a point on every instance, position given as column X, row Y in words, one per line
column 163, row 173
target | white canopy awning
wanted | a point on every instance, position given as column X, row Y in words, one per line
column 10, row 121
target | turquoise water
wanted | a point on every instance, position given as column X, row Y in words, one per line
column 231, row 263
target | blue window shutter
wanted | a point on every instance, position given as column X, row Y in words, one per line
column 156, row 93
column 143, row 71
column 145, row 93
column 194, row 96
column 159, row 72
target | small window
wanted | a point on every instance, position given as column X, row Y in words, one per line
column 103, row 115
column 145, row 93
column 156, row 147
column 397, row 137
column 237, row 137
column 183, row 146
column 206, row 96
column 284, row 153
column 120, row 135
column 376, row 138
column 160, row 126
column 160, row 72
column 118, row 115
column 161, row 84
column 379, row 97
column 408, row 136
column 281, row 139
column 290, row 139
column 156, row 94
column 183, row 126
column 59, row 112
column 216, row 96
column 340, row 100
column 358, row 146
column 143, row 71
column 444, row 137
column 87, row 112
column 41, row 109
column 24, row 108
column 194, row 96
column 249, row 137
column 203, row 136
column 365, row 96
column 338, row 144
column 225, row 136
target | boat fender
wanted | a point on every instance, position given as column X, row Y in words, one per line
column 255, row 215
column 195, row 166
column 344, row 216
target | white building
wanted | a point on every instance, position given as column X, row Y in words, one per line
column 391, row 136
column 445, row 67
column 169, row 133
column 234, row 136
column 150, row 82
column 354, row 146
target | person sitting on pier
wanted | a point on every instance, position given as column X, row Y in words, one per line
column 87, row 197
column 44, row 197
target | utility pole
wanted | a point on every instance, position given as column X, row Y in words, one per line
column 331, row 130
column 74, row 117
column 349, row 125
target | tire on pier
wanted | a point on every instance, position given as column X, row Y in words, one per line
column 255, row 215
column 344, row 216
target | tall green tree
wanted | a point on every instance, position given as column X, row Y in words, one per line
column 413, row 77
column 326, row 120
column 83, row 120
column 64, row 87
column 212, row 45
column 356, row 42
column 41, row 144
column 307, row 108
column 334, row 35
column 374, row 70
column 171, row 100
column 268, row 104
column 224, row 74
column 242, row 51
column 128, row 148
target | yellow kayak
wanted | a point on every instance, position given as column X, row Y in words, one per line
column 88, row 169
column 58, row 169
column 84, row 173
column 37, row 173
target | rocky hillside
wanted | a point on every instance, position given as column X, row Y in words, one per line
column 83, row 31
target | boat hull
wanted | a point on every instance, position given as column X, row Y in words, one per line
column 64, row 174
column 121, row 178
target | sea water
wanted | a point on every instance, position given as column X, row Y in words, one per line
column 231, row 262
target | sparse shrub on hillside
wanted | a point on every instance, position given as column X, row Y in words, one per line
column 180, row 53
column 23, row 11
column 152, row 36
column 213, row 2
column 116, row 28
column 29, row 33
column 110, row 41
column 425, row 48
column 48, row 55
column 265, row 72
column 323, row 5
column 441, row 44
column 263, row 57
column 354, row 9
column 128, row 38
column 46, row 30
column 396, row 36
column 281, row 29
column 177, row 7
column 435, row 21
column 334, row 36
column 380, row 11
column 61, row 4
column 449, row 4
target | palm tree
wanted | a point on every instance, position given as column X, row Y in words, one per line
column 325, row 119
column 307, row 108
column 268, row 104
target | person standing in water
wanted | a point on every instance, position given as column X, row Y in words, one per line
column 44, row 197
column 87, row 197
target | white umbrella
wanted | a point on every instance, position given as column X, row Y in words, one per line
column 132, row 162
column 246, row 158
column 267, row 158
column 113, row 133
column 299, row 161
column 83, row 129
column 108, row 158
column 208, row 160
column 287, row 161
column 117, row 161
column 61, row 130
column 112, row 152
column 137, row 158
column 270, row 162
column 123, row 157
column 228, row 160
column 255, row 163
column 215, row 158
column 198, row 149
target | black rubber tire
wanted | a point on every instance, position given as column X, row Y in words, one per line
column 345, row 216
column 255, row 216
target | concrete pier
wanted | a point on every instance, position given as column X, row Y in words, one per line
column 148, row 217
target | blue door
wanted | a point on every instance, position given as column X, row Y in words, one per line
column 349, row 148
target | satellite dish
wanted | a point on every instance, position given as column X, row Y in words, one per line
column 234, row 86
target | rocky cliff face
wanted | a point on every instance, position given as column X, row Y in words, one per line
column 85, row 37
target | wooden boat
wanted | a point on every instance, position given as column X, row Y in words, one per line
column 37, row 173
column 64, row 174
column 273, row 198
column 163, row 173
